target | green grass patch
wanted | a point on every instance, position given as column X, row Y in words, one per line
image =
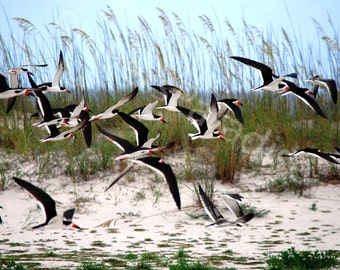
column 292, row 259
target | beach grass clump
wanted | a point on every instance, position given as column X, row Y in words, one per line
column 294, row 183
column 228, row 161
column 93, row 266
column 6, row 264
column 303, row 260
column 183, row 262
column 247, row 208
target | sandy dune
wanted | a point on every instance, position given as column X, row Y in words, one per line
column 139, row 215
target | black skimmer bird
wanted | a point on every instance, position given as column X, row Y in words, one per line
column 49, row 205
column 80, row 114
column 328, row 84
column 230, row 104
column 14, row 76
column 158, row 165
column 112, row 111
column 314, row 152
column 85, row 126
column 230, row 200
column 171, row 95
column 143, row 145
column 218, row 109
column 72, row 115
column 216, row 216
column 201, row 124
column 15, row 72
column 266, row 73
column 304, row 94
column 146, row 113
column 70, row 133
column 9, row 92
column 54, row 86
column 130, row 151
column 14, row 84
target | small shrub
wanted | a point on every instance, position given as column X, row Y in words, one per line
column 182, row 263
column 313, row 207
column 247, row 208
column 228, row 160
column 303, row 260
column 10, row 265
column 287, row 183
column 92, row 266
column 141, row 266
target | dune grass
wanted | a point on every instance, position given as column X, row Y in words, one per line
column 109, row 65
column 293, row 259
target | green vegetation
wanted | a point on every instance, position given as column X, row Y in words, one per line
column 136, row 57
column 247, row 208
column 303, row 260
column 313, row 207
column 92, row 266
column 286, row 260
column 281, row 184
column 184, row 263
column 10, row 265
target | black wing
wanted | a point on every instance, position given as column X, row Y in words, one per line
column 208, row 206
column 123, row 144
column 140, row 129
column 164, row 169
column 45, row 199
column 267, row 72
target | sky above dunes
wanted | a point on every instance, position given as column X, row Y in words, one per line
column 291, row 14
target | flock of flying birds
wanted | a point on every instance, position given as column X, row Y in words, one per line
column 76, row 117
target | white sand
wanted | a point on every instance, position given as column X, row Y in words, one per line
column 153, row 223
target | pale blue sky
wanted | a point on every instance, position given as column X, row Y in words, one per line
column 258, row 13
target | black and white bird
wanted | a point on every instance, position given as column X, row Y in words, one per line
column 112, row 111
column 231, row 201
column 54, row 86
column 230, row 104
column 271, row 82
column 314, row 152
column 70, row 133
column 49, row 206
column 206, row 126
column 146, row 113
column 304, row 94
column 327, row 84
column 129, row 150
column 11, row 91
column 218, row 109
column 216, row 216
column 171, row 95
column 14, row 84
